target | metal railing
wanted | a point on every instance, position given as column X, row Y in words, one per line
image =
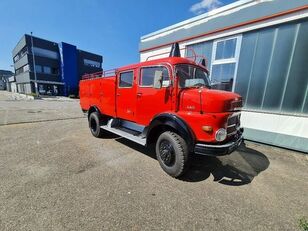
column 193, row 57
column 100, row 74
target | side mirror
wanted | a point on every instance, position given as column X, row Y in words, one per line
column 158, row 78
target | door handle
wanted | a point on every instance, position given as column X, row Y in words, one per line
column 118, row 94
column 139, row 94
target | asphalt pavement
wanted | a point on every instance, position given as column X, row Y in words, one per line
column 56, row 176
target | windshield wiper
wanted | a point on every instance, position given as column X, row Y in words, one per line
column 198, row 84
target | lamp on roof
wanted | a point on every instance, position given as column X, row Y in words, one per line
column 175, row 50
column 203, row 62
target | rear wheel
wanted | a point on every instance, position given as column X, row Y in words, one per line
column 172, row 153
column 94, row 124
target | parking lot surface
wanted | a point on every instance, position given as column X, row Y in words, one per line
column 56, row 176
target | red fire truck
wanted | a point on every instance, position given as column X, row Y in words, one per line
column 167, row 102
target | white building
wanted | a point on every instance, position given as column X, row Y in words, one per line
column 259, row 50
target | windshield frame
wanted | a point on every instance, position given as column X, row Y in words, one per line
column 197, row 67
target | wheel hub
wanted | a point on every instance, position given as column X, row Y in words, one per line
column 167, row 153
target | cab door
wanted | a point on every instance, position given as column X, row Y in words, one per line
column 126, row 95
column 151, row 101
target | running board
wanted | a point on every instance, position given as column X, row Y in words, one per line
column 124, row 134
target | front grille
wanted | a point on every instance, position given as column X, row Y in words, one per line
column 237, row 104
column 233, row 124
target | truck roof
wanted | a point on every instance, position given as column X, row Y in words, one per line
column 110, row 73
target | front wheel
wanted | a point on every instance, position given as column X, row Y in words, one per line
column 172, row 153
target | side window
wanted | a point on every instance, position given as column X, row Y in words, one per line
column 147, row 76
column 224, row 62
column 126, row 79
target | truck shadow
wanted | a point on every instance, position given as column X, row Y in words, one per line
column 150, row 152
column 236, row 169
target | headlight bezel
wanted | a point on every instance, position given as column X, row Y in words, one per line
column 221, row 134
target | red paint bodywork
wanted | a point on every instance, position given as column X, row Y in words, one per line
column 196, row 106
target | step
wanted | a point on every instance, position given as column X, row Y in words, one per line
column 125, row 134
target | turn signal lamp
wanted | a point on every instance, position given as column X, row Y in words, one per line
column 208, row 129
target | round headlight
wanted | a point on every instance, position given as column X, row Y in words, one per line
column 221, row 134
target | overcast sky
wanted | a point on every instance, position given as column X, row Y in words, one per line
column 109, row 28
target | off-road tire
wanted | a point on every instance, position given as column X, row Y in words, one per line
column 94, row 124
column 178, row 164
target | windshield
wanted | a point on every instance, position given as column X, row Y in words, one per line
column 190, row 76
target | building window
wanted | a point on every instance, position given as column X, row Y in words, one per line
column 91, row 63
column 38, row 69
column 41, row 89
column 21, row 88
column 45, row 53
column 147, row 75
column 26, row 68
column 21, row 53
column 16, row 58
column 46, row 70
column 199, row 51
column 224, row 62
column 19, row 70
column 22, row 69
column 126, row 79
column 272, row 71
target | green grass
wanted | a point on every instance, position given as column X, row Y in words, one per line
column 303, row 224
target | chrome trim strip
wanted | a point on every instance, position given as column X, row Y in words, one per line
column 232, row 133
column 220, row 146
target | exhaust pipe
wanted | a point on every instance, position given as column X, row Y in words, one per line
column 175, row 50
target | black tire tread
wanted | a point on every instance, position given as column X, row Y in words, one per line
column 101, row 132
column 180, row 142
column 183, row 151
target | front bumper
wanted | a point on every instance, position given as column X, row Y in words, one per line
column 218, row 149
